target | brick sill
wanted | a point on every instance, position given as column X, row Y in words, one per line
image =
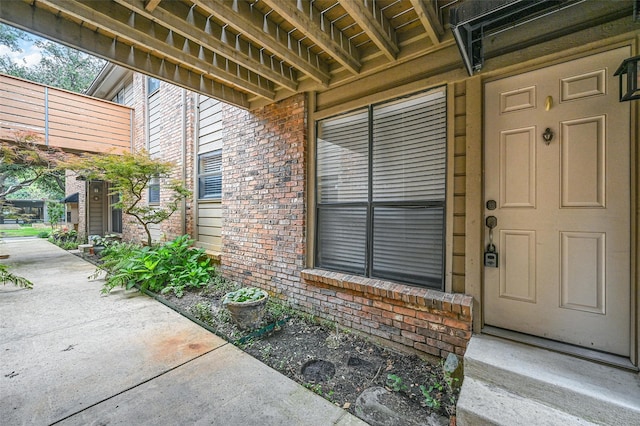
column 409, row 295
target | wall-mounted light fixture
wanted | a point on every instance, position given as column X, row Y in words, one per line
column 629, row 74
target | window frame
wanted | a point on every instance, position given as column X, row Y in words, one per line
column 371, row 205
column 153, row 85
column 154, row 188
column 201, row 175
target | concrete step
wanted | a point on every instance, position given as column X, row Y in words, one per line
column 594, row 392
column 482, row 404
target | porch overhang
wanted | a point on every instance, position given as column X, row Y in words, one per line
column 253, row 53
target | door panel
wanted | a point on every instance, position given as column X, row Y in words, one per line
column 563, row 206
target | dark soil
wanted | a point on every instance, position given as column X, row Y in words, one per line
column 335, row 363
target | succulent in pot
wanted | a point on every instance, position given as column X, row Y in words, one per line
column 246, row 306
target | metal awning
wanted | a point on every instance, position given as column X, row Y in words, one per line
column 73, row 198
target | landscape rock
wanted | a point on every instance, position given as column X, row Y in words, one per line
column 379, row 407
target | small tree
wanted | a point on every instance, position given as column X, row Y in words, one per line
column 25, row 163
column 129, row 176
column 56, row 212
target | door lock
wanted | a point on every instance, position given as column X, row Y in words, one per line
column 491, row 255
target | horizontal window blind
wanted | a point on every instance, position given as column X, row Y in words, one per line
column 154, row 191
column 381, row 179
column 343, row 158
column 210, row 175
column 408, row 243
column 342, row 243
column 409, row 147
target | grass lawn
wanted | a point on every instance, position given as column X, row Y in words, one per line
column 24, row 231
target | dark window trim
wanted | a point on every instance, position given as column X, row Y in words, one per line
column 370, row 207
column 213, row 197
column 154, row 188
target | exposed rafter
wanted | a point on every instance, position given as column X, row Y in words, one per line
column 254, row 26
column 252, row 53
column 429, row 20
column 43, row 23
column 150, row 5
column 375, row 24
column 317, row 29
column 141, row 31
column 183, row 20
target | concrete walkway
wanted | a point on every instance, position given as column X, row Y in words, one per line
column 69, row 355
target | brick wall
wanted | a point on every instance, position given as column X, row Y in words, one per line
column 264, row 195
column 71, row 186
column 264, row 241
column 403, row 316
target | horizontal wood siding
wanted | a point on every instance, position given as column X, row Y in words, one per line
column 155, row 124
column 210, row 125
column 74, row 121
column 459, row 192
column 209, row 213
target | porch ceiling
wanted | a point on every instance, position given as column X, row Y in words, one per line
column 253, row 52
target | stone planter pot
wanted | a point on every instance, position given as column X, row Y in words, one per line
column 247, row 315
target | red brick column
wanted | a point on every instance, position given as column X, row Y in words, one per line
column 264, row 201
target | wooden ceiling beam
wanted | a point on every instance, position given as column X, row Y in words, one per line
column 310, row 22
column 150, row 5
column 429, row 19
column 46, row 24
column 138, row 30
column 174, row 16
column 254, row 26
column 375, row 24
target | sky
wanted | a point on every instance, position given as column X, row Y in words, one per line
column 30, row 54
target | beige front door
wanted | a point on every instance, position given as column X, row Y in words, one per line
column 562, row 205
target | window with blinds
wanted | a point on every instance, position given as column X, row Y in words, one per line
column 210, row 175
column 381, row 175
column 154, row 191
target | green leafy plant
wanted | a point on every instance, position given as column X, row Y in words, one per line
column 202, row 312
column 245, row 294
column 432, row 395
column 7, row 276
column 170, row 267
column 56, row 212
column 64, row 238
column 43, row 234
column 395, row 383
column 441, row 391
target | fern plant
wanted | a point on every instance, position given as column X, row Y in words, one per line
column 7, row 276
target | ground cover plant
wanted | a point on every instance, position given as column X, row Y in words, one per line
column 64, row 238
column 169, row 267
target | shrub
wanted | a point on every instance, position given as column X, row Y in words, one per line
column 43, row 234
column 245, row 294
column 170, row 267
column 65, row 238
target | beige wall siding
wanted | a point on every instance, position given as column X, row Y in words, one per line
column 210, row 138
column 155, row 124
column 209, row 125
column 459, row 180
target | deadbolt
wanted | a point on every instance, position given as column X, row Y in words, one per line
column 491, row 222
